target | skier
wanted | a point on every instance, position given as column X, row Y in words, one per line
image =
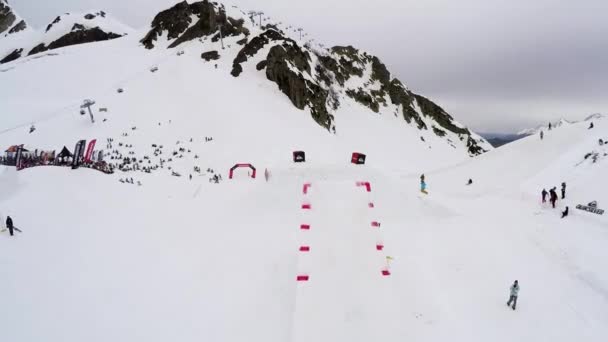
column 544, row 194
column 591, row 125
column 542, row 135
column 563, row 190
column 470, row 181
column 549, row 126
column 565, row 213
column 9, row 225
column 513, row 297
column 553, row 198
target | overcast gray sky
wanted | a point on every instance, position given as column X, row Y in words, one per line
column 495, row 65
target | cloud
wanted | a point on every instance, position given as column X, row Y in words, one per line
column 495, row 64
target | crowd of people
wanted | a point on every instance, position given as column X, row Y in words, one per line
column 45, row 158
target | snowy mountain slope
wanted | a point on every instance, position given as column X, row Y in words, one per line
column 204, row 259
column 175, row 92
column 313, row 77
column 65, row 30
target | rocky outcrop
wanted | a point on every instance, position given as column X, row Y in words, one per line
column 281, row 62
column 20, row 26
column 50, row 26
column 80, row 36
column 210, row 55
column 261, row 65
column 12, row 56
column 7, row 17
column 178, row 25
column 253, row 47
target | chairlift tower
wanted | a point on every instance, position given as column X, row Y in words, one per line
column 219, row 27
column 300, row 30
column 87, row 104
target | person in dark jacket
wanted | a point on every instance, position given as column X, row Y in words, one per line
column 9, row 225
column 553, row 198
column 563, row 190
column 565, row 213
column 544, row 194
column 514, row 291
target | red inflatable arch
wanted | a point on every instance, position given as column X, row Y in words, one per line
column 242, row 165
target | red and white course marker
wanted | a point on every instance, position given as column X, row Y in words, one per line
column 379, row 247
column 367, row 185
column 302, row 277
column 371, row 205
column 306, row 187
column 305, row 226
column 376, row 224
column 304, row 248
column 306, row 206
column 386, row 272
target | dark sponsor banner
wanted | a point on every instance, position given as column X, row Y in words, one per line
column 78, row 153
column 87, row 156
column 592, row 208
column 19, row 158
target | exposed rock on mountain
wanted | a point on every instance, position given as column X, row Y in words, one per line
column 65, row 30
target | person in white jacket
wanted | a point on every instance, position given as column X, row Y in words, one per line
column 514, row 291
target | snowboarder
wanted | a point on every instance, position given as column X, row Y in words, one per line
column 9, row 225
column 542, row 135
column 544, row 194
column 565, row 212
column 553, row 197
column 564, row 190
column 423, row 187
column 591, row 125
column 514, row 292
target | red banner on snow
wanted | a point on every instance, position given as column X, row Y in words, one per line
column 89, row 154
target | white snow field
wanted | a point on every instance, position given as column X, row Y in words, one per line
column 99, row 260
column 186, row 260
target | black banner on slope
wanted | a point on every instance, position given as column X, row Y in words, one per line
column 78, row 153
column 592, row 208
column 19, row 157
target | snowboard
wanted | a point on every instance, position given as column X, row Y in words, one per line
column 14, row 228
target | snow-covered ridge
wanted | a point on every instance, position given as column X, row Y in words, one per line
column 560, row 123
column 536, row 130
column 65, row 30
column 71, row 22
